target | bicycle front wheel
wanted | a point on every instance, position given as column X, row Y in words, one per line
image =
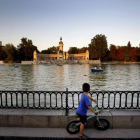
column 102, row 124
column 73, row 127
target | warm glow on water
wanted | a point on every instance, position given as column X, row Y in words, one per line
column 58, row 78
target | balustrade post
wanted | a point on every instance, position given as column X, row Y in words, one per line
column 67, row 108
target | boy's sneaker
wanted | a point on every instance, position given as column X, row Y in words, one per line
column 84, row 137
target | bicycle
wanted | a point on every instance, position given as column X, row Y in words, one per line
column 73, row 127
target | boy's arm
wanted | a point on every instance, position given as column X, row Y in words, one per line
column 92, row 99
column 92, row 110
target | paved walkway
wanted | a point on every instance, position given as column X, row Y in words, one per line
column 62, row 133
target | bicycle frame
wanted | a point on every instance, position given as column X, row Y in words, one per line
column 97, row 116
column 89, row 117
column 92, row 116
column 73, row 127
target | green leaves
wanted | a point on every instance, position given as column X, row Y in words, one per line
column 25, row 49
column 10, row 51
column 75, row 50
column 98, row 47
column 51, row 50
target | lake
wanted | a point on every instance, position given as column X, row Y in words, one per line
column 115, row 77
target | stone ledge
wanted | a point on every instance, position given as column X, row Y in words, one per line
column 36, row 118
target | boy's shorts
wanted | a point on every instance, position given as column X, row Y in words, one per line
column 83, row 119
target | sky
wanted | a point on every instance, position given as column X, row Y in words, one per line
column 76, row 21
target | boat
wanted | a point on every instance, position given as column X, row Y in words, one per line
column 59, row 65
column 96, row 70
column 15, row 66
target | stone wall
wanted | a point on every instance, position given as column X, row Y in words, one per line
column 43, row 118
column 67, row 62
column 28, row 62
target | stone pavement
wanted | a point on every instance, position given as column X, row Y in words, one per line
column 62, row 133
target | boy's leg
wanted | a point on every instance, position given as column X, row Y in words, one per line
column 81, row 129
column 83, row 121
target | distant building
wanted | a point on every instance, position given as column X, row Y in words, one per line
column 60, row 56
column 0, row 43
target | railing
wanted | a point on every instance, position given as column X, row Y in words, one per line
column 68, row 99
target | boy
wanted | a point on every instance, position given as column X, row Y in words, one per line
column 84, row 105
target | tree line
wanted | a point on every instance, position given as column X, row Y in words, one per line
column 23, row 51
column 98, row 49
column 124, row 53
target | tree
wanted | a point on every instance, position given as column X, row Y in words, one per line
column 26, row 49
column 51, row 50
column 98, row 47
column 107, row 57
column 113, row 52
column 2, row 53
column 120, row 54
column 11, row 52
column 134, row 55
column 129, row 45
column 138, row 53
column 73, row 50
column 82, row 50
column 127, row 52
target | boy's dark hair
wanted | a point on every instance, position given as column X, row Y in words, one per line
column 86, row 87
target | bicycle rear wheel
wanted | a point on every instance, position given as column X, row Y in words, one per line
column 102, row 124
column 73, row 127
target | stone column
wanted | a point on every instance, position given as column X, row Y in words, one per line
column 35, row 56
column 87, row 55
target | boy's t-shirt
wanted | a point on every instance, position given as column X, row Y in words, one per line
column 84, row 102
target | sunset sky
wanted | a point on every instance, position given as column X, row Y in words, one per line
column 76, row 21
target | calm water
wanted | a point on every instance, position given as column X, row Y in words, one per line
column 58, row 78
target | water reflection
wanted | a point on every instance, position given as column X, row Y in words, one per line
column 97, row 79
column 71, row 76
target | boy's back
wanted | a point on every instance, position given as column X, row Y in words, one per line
column 84, row 102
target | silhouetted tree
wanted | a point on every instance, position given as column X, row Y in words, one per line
column 129, row 45
column 120, row 54
column 138, row 53
column 133, row 52
column 51, row 50
column 82, row 50
column 126, row 53
column 98, row 47
column 113, row 52
column 2, row 53
column 73, row 50
column 25, row 49
column 11, row 52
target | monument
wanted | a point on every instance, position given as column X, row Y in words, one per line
column 60, row 56
column 60, row 52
